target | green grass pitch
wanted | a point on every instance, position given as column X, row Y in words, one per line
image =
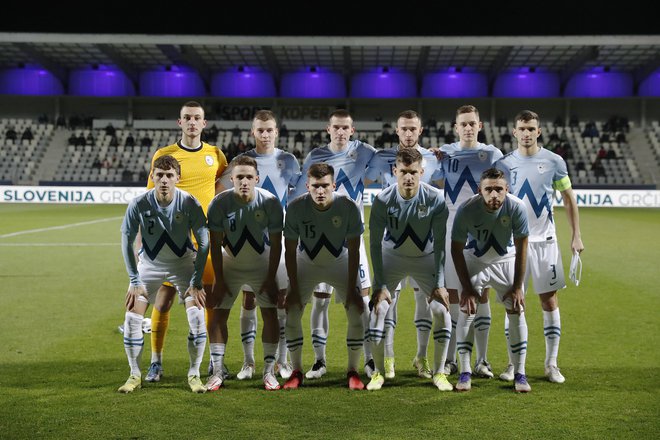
column 62, row 359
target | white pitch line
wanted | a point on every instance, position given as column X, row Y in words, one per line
column 56, row 244
column 54, row 228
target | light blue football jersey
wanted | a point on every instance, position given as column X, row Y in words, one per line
column 277, row 172
column 385, row 160
column 165, row 232
column 490, row 235
column 322, row 234
column 350, row 168
column 533, row 180
column 462, row 168
column 411, row 228
column 246, row 225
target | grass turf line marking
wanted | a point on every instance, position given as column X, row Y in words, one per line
column 54, row 228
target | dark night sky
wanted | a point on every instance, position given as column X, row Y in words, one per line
column 331, row 17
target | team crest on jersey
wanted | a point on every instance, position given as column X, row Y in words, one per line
column 178, row 217
column 352, row 155
column 209, row 160
column 541, row 167
column 259, row 215
column 482, row 156
column 336, row 221
column 505, row 220
column 280, row 164
column 422, row 210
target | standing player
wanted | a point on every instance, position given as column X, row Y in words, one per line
column 322, row 233
column 278, row 171
column 534, row 173
column 462, row 164
column 350, row 160
column 246, row 246
column 409, row 129
column 165, row 215
column 488, row 222
column 407, row 227
column 201, row 166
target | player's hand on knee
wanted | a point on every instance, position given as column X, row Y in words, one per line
column 441, row 295
column 517, row 299
column 378, row 296
column 468, row 302
column 198, row 295
column 132, row 295
column 292, row 299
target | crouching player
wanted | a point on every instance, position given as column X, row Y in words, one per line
column 322, row 238
column 407, row 238
column 246, row 238
column 164, row 216
column 494, row 225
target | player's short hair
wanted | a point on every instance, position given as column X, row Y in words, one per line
column 320, row 170
column 409, row 114
column 467, row 109
column 265, row 116
column 191, row 104
column 492, row 173
column 167, row 162
column 340, row 113
column 245, row 161
column 526, row 116
column 408, row 156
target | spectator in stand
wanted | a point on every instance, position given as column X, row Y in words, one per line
column 580, row 166
column 130, row 140
column 574, row 121
column 81, row 140
column 559, row 151
column 106, row 163
column 127, row 175
column 90, row 139
column 110, row 130
column 73, row 139
column 611, row 154
column 300, row 137
column 242, row 148
column 114, row 142
column 97, row 163
column 236, row 131
column 146, row 141
column 450, row 138
column 211, row 134
column 441, row 131
column 27, row 134
column 602, row 153
column 605, row 137
column 597, row 168
column 590, row 130
column 621, row 137
column 43, row 118
column 11, row 134
column 143, row 175
column 559, row 121
column 61, row 122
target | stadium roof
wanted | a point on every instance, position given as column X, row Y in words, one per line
column 59, row 53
